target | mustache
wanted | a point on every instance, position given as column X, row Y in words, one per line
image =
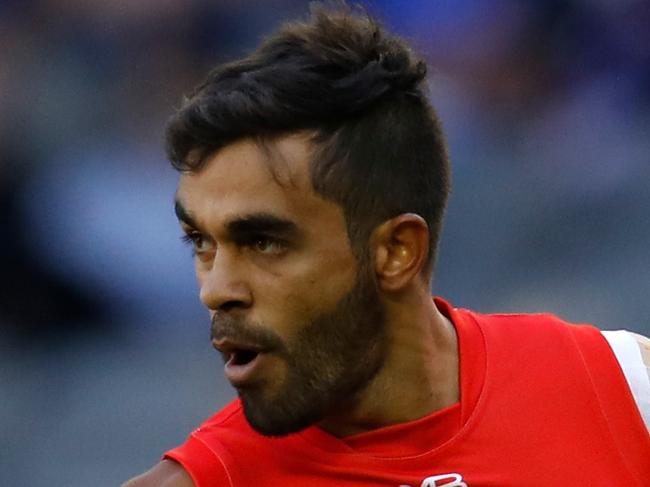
column 239, row 330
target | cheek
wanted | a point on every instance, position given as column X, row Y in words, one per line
column 201, row 267
column 301, row 302
column 286, row 310
column 201, row 274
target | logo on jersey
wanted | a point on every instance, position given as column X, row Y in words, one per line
column 445, row 480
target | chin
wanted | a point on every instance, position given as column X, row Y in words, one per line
column 277, row 418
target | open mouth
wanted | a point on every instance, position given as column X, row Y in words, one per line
column 242, row 357
column 244, row 366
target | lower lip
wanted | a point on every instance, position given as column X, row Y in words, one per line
column 239, row 375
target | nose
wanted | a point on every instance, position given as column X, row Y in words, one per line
column 222, row 286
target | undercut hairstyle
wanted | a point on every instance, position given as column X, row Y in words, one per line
column 378, row 147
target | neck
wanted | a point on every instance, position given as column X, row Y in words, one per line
column 420, row 374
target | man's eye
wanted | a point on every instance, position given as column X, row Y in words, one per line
column 266, row 245
column 198, row 241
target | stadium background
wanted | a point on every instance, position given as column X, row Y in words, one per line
column 104, row 353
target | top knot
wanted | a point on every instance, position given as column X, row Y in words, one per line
column 401, row 71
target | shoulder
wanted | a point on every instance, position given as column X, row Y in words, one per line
column 529, row 330
column 166, row 473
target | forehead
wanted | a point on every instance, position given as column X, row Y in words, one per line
column 251, row 177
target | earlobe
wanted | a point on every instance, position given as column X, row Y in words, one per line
column 401, row 251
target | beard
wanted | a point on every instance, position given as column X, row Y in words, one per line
column 328, row 364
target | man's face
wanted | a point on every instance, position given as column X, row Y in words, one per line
column 297, row 319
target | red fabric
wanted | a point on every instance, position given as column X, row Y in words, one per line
column 543, row 403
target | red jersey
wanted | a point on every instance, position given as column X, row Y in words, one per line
column 543, row 403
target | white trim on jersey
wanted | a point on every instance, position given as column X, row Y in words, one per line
column 628, row 353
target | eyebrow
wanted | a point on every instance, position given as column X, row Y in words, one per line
column 183, row 215
column 246, row 226
column 261, row 223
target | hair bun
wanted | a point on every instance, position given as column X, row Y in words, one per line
column 400, row 71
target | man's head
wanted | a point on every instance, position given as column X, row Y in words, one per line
column 295, row 314
column 314, row 178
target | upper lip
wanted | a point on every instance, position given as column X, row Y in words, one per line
column 227, row 346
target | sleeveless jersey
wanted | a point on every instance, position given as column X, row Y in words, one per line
column 543, row 403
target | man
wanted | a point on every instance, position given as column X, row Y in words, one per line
column 314, row 177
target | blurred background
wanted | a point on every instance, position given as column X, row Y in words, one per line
column 105, row 360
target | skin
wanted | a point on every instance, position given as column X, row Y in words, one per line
column 309, row 275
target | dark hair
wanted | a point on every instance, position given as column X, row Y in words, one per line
column 379, row 151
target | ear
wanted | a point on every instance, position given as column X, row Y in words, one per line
column 401, row 247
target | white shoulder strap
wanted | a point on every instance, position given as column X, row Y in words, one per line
column 628, row 353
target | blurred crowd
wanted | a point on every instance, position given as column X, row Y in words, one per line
column 546, row 105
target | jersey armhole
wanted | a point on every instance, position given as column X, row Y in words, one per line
column 628, row 353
